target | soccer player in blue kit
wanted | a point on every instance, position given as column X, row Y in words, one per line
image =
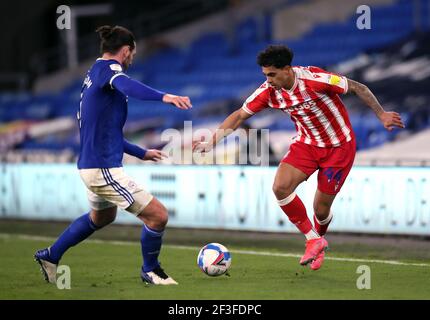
column 102, row 114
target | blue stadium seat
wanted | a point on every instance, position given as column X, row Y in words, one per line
column 209, row 70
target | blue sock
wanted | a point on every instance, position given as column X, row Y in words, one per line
column 78, row 230
column 151, row 244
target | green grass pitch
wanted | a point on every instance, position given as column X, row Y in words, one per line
column 110, row 270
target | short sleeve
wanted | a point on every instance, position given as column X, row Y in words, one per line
column 328, row 81
column 109, row 72
column 258, row 100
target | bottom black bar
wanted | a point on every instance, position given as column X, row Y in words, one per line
column 217, row 309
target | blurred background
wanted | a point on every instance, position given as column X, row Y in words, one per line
column 207, row 50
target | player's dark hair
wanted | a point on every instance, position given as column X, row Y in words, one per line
column 277, row 56
column 113, row 38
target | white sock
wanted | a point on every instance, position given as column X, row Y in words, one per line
column 312, row 234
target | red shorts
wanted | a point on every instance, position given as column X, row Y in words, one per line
column 333, row 164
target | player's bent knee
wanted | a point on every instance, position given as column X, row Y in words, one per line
column 157, row 221
column 163, row 219
column 104, row 222
column 281, row 191
column 154, row 215
column 102, row 218
column 322, row 210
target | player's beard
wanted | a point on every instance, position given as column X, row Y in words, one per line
column 127, row 62
column 125, row 65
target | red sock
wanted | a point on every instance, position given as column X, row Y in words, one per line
column 322, row 226
column 296, row 212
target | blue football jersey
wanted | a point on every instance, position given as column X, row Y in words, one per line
column 102, row 114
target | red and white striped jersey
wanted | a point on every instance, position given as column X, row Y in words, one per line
column 313, row 104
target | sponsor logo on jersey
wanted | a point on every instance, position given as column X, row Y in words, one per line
column 302, row 106
column 115, row 67
column 334, row 80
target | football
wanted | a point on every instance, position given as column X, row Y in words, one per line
column 214, row 259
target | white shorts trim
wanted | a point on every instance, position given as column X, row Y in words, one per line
column 109, row 187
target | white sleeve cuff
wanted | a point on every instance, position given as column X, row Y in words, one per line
column 114, row 76
column 246, row 109
column 346, row 85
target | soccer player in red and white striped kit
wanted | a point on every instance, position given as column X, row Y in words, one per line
column 325, row 140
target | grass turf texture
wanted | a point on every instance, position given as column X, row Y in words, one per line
column 111, row 271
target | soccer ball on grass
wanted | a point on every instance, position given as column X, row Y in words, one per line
column 214, row 259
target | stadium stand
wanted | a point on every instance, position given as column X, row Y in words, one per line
column 411, row 151
column 390, row 52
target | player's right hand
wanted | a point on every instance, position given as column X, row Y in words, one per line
column 202, row 146
column 154, row 155
column 390, row 120
column 178, row 101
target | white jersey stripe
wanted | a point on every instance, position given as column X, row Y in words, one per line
column 293, row 97
column 321, row 118
column 327, row 125
column 252, row 97
column 281, row 100
column 301, row 129
column 270, row 103
column 310, row 126
column 313, row 104
column 335, row 111
column 302, row 133
column 305, row 119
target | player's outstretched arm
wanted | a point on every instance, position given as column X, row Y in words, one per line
column 138, row 90
column 231, row 123
column 388, row 119
column 141, row 153
column 134, row 150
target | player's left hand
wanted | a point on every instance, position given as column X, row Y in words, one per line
column 178, row 101
column 154, row 155
column 391, row 120
column 202, row 146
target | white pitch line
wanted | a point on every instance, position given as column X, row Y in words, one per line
column 249, row 252
column 293, row 255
